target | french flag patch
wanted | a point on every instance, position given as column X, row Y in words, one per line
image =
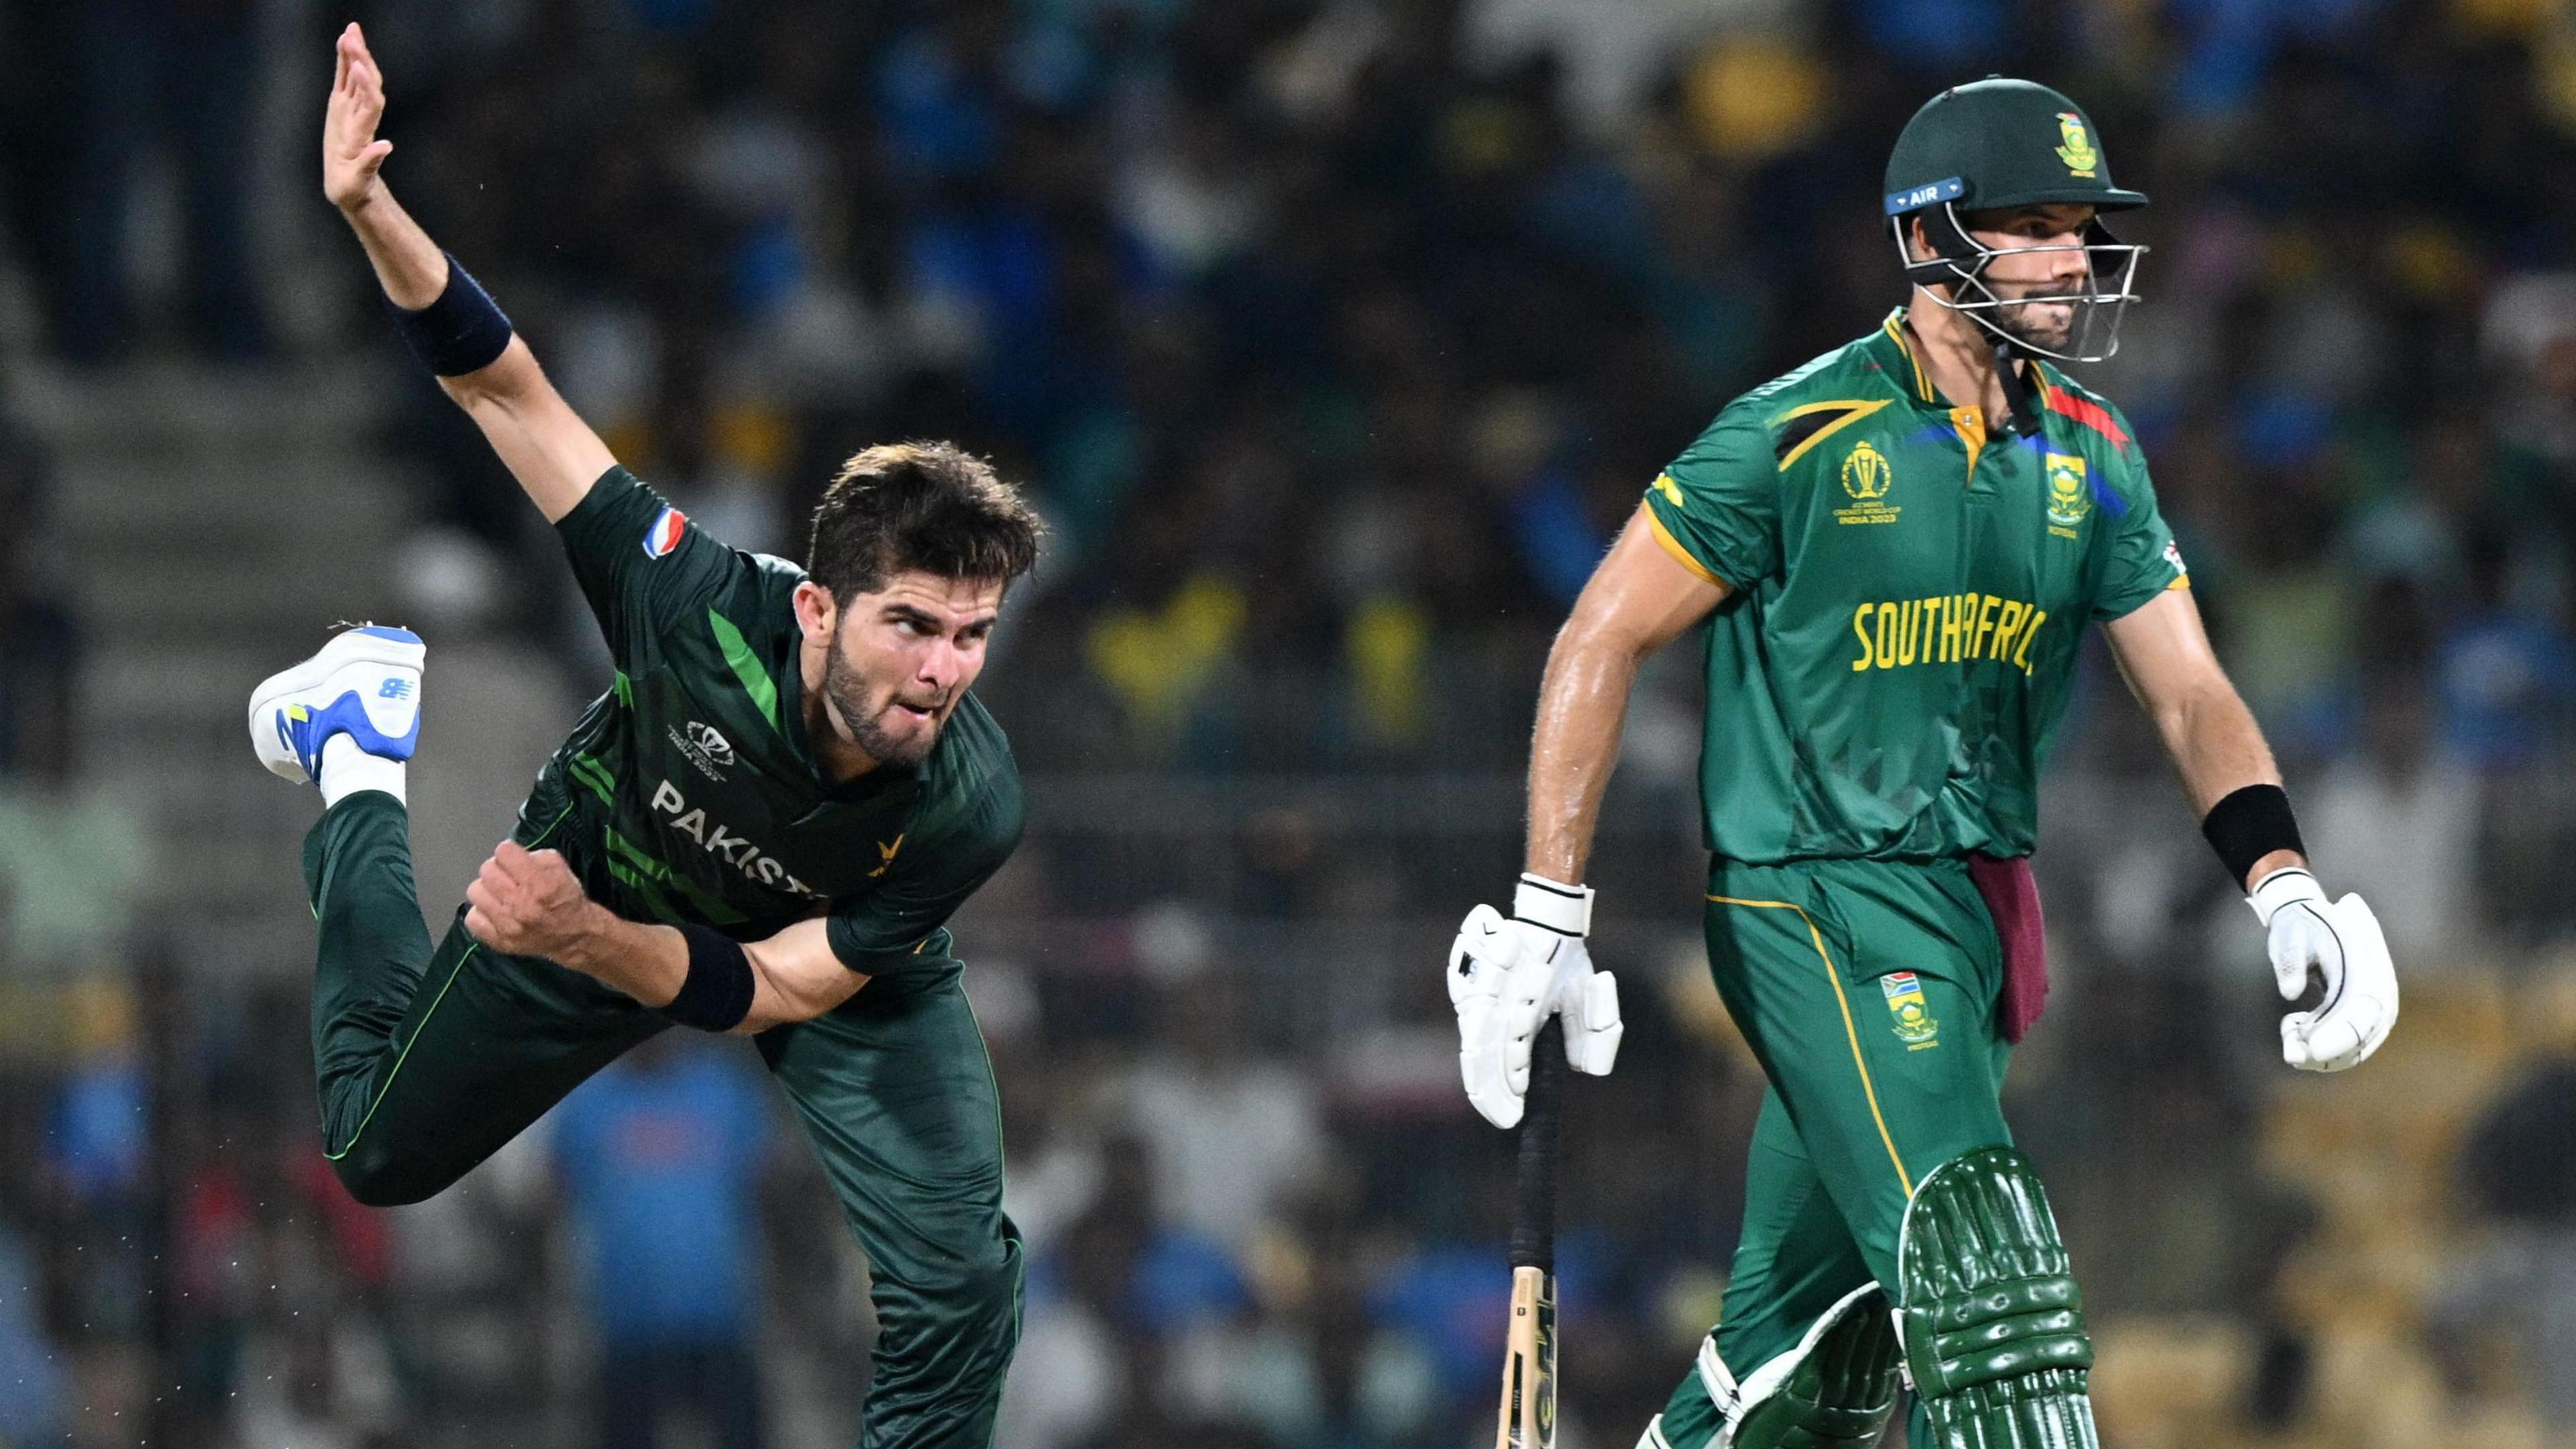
column 664, row 535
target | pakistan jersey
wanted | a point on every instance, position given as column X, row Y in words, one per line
column 1906, row 598
column 689, row 792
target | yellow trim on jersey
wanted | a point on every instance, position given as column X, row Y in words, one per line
column 1972, row 431
column 2180, row 581
column 1855, row 410
column 1896, row 329
column 1834, row 975
column 1674, row 547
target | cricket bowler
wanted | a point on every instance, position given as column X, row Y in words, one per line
column 784, row 796
column 1896, row 547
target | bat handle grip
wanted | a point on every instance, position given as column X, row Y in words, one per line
column 1534, row 1209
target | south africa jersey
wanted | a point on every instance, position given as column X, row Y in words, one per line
column 1906, row 597
column 689, row 792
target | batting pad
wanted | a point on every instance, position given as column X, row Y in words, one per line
column 1992, row 1324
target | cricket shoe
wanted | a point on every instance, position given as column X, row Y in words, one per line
column 364, row 685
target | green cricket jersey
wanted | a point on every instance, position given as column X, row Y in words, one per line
column 1906, row 596
column 689, row 792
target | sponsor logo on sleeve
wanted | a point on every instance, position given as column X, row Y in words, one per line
column 664, row 535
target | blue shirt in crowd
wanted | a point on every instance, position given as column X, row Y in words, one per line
column 661, row 1163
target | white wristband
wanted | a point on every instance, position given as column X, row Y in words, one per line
column 2282, row 887
column 1564, row 909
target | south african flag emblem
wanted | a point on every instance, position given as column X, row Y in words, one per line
column 1913, row 1018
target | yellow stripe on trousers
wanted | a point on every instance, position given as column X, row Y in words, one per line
column 1834, row 977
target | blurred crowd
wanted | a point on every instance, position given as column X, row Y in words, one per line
column 1334, row 338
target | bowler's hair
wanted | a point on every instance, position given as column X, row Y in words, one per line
column 922, row 505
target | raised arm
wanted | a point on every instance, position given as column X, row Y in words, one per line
column 547, row 447
column 1639, row 599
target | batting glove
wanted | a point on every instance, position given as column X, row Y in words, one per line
column 2340, row 943
column 1507, row 976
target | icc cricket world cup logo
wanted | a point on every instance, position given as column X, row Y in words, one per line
column 1866, row 474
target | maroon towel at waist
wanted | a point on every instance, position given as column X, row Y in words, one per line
column 2012, row 898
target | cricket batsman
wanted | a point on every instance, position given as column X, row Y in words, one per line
column 1896, row 547
column 782, row 799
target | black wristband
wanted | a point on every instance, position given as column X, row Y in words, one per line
column 2248, row 825
column 716, row 995
column 463, row 331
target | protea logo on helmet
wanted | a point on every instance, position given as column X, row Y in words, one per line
column 2077, row 148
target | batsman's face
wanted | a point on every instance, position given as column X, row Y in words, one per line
column 899, row 659
column 2025, row 276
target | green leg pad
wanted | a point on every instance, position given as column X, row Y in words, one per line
column 1993, row 1326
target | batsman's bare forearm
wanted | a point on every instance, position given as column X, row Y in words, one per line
column 1582, row 708
column 2212, row 738
column 1638, row 600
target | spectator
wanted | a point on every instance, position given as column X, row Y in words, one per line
column 660, row 1155
column 1233, row 1138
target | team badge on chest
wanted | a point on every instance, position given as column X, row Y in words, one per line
column 1867, row 477
column 2069, row 498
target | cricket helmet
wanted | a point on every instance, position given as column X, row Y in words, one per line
column 1999, row 143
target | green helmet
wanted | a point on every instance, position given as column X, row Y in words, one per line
column 1996, row 143
column 1999, row 143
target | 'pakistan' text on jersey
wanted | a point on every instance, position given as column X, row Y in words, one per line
column 689, row 792
column 1907, row 595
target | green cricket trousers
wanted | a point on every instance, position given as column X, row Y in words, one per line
column 1867, row 990
column 429, row 1060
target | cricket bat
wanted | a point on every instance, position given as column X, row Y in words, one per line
column 1529, row 1354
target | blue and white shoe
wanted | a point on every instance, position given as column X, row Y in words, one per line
column 364, row 684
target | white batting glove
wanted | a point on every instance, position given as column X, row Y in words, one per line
column 1508, row 975
column 2340, row 942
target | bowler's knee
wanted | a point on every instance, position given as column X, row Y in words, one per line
column 970, row 1296
column 377, row 1176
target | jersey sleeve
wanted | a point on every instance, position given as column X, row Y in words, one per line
column 1717, row 508
column 2144, row 560
column 880, row 930
column 642, row 565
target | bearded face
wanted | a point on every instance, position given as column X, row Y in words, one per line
column 899, row 659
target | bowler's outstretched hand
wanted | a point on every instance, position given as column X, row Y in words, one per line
column 351, row 154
